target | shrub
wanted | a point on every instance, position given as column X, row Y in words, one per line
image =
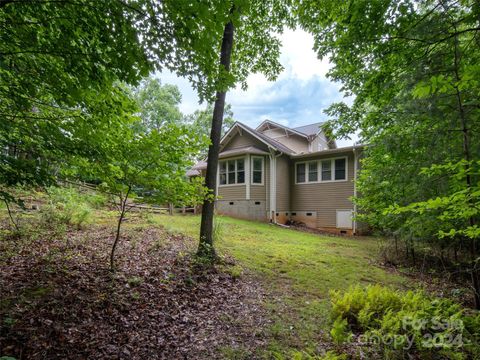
column 399, row 323
column 66, row 206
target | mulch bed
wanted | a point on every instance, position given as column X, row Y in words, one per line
column 59, row 300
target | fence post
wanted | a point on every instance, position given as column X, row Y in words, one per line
column 170, row 208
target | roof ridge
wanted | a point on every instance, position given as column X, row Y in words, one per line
column 315, row 123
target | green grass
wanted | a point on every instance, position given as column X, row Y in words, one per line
column 298, row 269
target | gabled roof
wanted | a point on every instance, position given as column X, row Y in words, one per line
column 268, row 123
column 261, row 137
column 309, row 130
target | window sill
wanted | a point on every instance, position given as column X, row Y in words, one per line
column 321, row 182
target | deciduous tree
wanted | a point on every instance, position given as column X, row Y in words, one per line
column 413, row 68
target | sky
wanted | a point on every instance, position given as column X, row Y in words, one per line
column 298, row 96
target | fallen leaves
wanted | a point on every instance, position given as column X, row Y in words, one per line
column 60, row 301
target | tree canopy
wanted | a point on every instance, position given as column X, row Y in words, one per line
column 413, row 68
column 158, row 104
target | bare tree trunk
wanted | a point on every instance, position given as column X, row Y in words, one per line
column 468, row 179
column 123, row 210
column 10, row 215
column 205, row 247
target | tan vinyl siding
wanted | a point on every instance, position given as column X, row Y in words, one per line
column 320, row 142
column 245, row 139
column 295, row 142
column 274, row 133
column 233, row 192
column 323, row 198
column 283, row 184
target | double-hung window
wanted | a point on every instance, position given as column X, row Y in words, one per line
column 340, row 169
column 321, row 171
column 312, row 171
column 301, row 172
column 232, row 172
column 257, row 170
column 326, row 170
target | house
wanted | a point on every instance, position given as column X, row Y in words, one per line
column 280, row 174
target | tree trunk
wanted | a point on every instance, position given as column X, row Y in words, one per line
column 123, row 208
column 10, row 215
column 468, row 179
column 205, row 247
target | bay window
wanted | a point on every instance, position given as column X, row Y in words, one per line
column 232, row 171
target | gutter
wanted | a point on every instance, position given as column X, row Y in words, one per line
column 328, row 151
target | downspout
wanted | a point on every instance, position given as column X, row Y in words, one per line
column 354, row 190
column 247, row 176
column 273, row 186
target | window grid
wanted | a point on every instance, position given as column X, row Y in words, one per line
column 232, row 172
column 257, row 170
column 326, row 170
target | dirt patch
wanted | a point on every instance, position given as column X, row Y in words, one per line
column 60, row 301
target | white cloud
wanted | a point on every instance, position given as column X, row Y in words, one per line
column 298, row 97
column 299, row 58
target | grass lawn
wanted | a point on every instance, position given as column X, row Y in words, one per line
column 297, row 269
column 283, row 293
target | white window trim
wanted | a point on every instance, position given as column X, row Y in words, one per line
column 263, row 170
column 319, row 171
column 236, row 170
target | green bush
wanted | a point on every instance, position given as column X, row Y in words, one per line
column 66, row 206
column 401, row 323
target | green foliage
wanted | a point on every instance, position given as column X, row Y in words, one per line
column 151, row 163
column 66, row 206
column 454, row 209
column 405, row 322
column 413, row 67
column 58, row 64
column 158, row 103
column 61, row 64
column 340, row 332
column 197, row 30
column 201, row 121
column 218, row 230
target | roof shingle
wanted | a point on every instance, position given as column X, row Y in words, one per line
column 311, row 129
